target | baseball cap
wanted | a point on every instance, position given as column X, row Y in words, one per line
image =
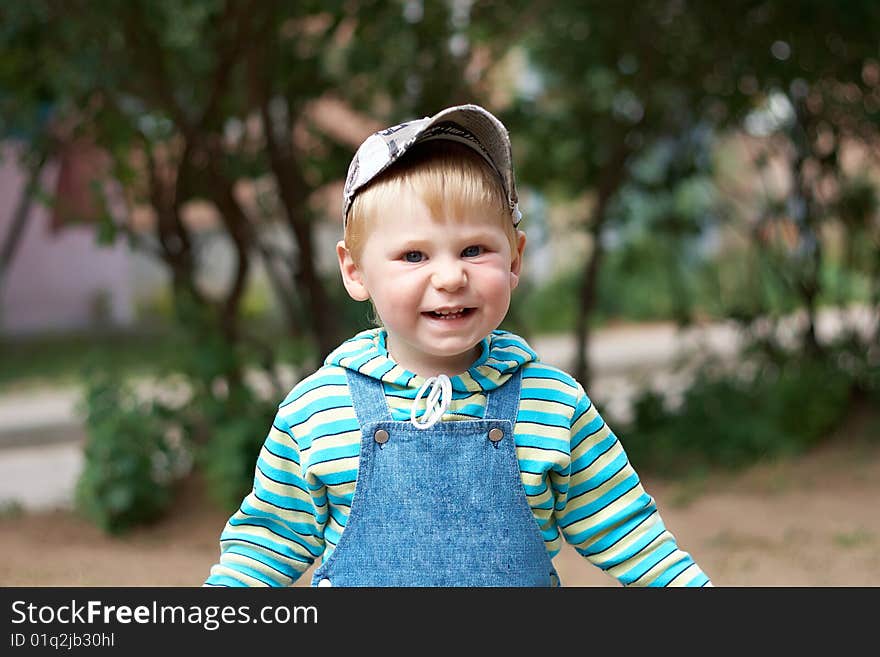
column 470, row 125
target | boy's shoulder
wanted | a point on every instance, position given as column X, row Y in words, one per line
column 318, row 383
column 535, row 371
column 543, row 375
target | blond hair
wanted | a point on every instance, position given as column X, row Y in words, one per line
column 451, row 179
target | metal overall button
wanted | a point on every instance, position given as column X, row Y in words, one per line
column 496, row 434
column 381, row 436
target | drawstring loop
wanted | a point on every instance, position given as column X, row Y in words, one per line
column 436, row 403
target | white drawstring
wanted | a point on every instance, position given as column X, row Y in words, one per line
column 441, row 390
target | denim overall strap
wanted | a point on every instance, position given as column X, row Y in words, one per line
column 503, row 402
column 368, row 398
column 443, row 506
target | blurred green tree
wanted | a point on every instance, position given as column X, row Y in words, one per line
column 801, row 86
column 188, row 101
column 191, row 98
column 611, row 84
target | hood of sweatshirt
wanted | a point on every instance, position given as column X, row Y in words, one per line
column 501, row 354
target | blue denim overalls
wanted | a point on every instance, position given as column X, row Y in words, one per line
column 443, row 506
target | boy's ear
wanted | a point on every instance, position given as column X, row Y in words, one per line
column 516, row 261
column 352, row 278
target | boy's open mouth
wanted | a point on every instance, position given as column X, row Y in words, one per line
column 450, row 313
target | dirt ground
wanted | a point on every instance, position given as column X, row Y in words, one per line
column 811, row 521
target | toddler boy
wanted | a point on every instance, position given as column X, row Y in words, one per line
column 437, row 450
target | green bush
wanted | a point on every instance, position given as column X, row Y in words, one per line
column 226, row 419
column 235, row 426
column 131, row 460
column 730, row 420
column 205, row 403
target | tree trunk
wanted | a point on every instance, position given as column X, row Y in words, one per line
column 609, row 183
column 284, row 291
column 238, row 227
column 292, row 189
column 13, row 236
column 806, row 217
column 175, row 243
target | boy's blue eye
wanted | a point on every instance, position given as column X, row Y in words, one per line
column 472, row 251
column 413, row 256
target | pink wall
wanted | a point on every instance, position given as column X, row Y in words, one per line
column 56, row 277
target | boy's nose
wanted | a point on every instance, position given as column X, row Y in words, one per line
column 449, row 277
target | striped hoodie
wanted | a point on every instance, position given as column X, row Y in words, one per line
column 577, row 479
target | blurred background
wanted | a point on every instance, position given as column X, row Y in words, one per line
column 700, row 184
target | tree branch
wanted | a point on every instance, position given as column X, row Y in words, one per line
column 143, row 42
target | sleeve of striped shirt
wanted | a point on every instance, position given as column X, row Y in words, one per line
column 275, row 535
column 609, row 518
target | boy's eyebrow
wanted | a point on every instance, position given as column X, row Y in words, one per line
column 477, row 235
column 403, row 243
column 482, row 233
column 409, row 244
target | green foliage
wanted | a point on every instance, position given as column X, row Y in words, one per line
column 61, row 359
column 642, row 282
column 731, row 420
column 131, row 461
column 411, row 59
column 647, row 279
column 10, row 509
column 209, row 408
column 226, row 419
column 352, row 316
column 547, row 308
column 235, row 425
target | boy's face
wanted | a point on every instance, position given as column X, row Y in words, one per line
column 439, row 285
